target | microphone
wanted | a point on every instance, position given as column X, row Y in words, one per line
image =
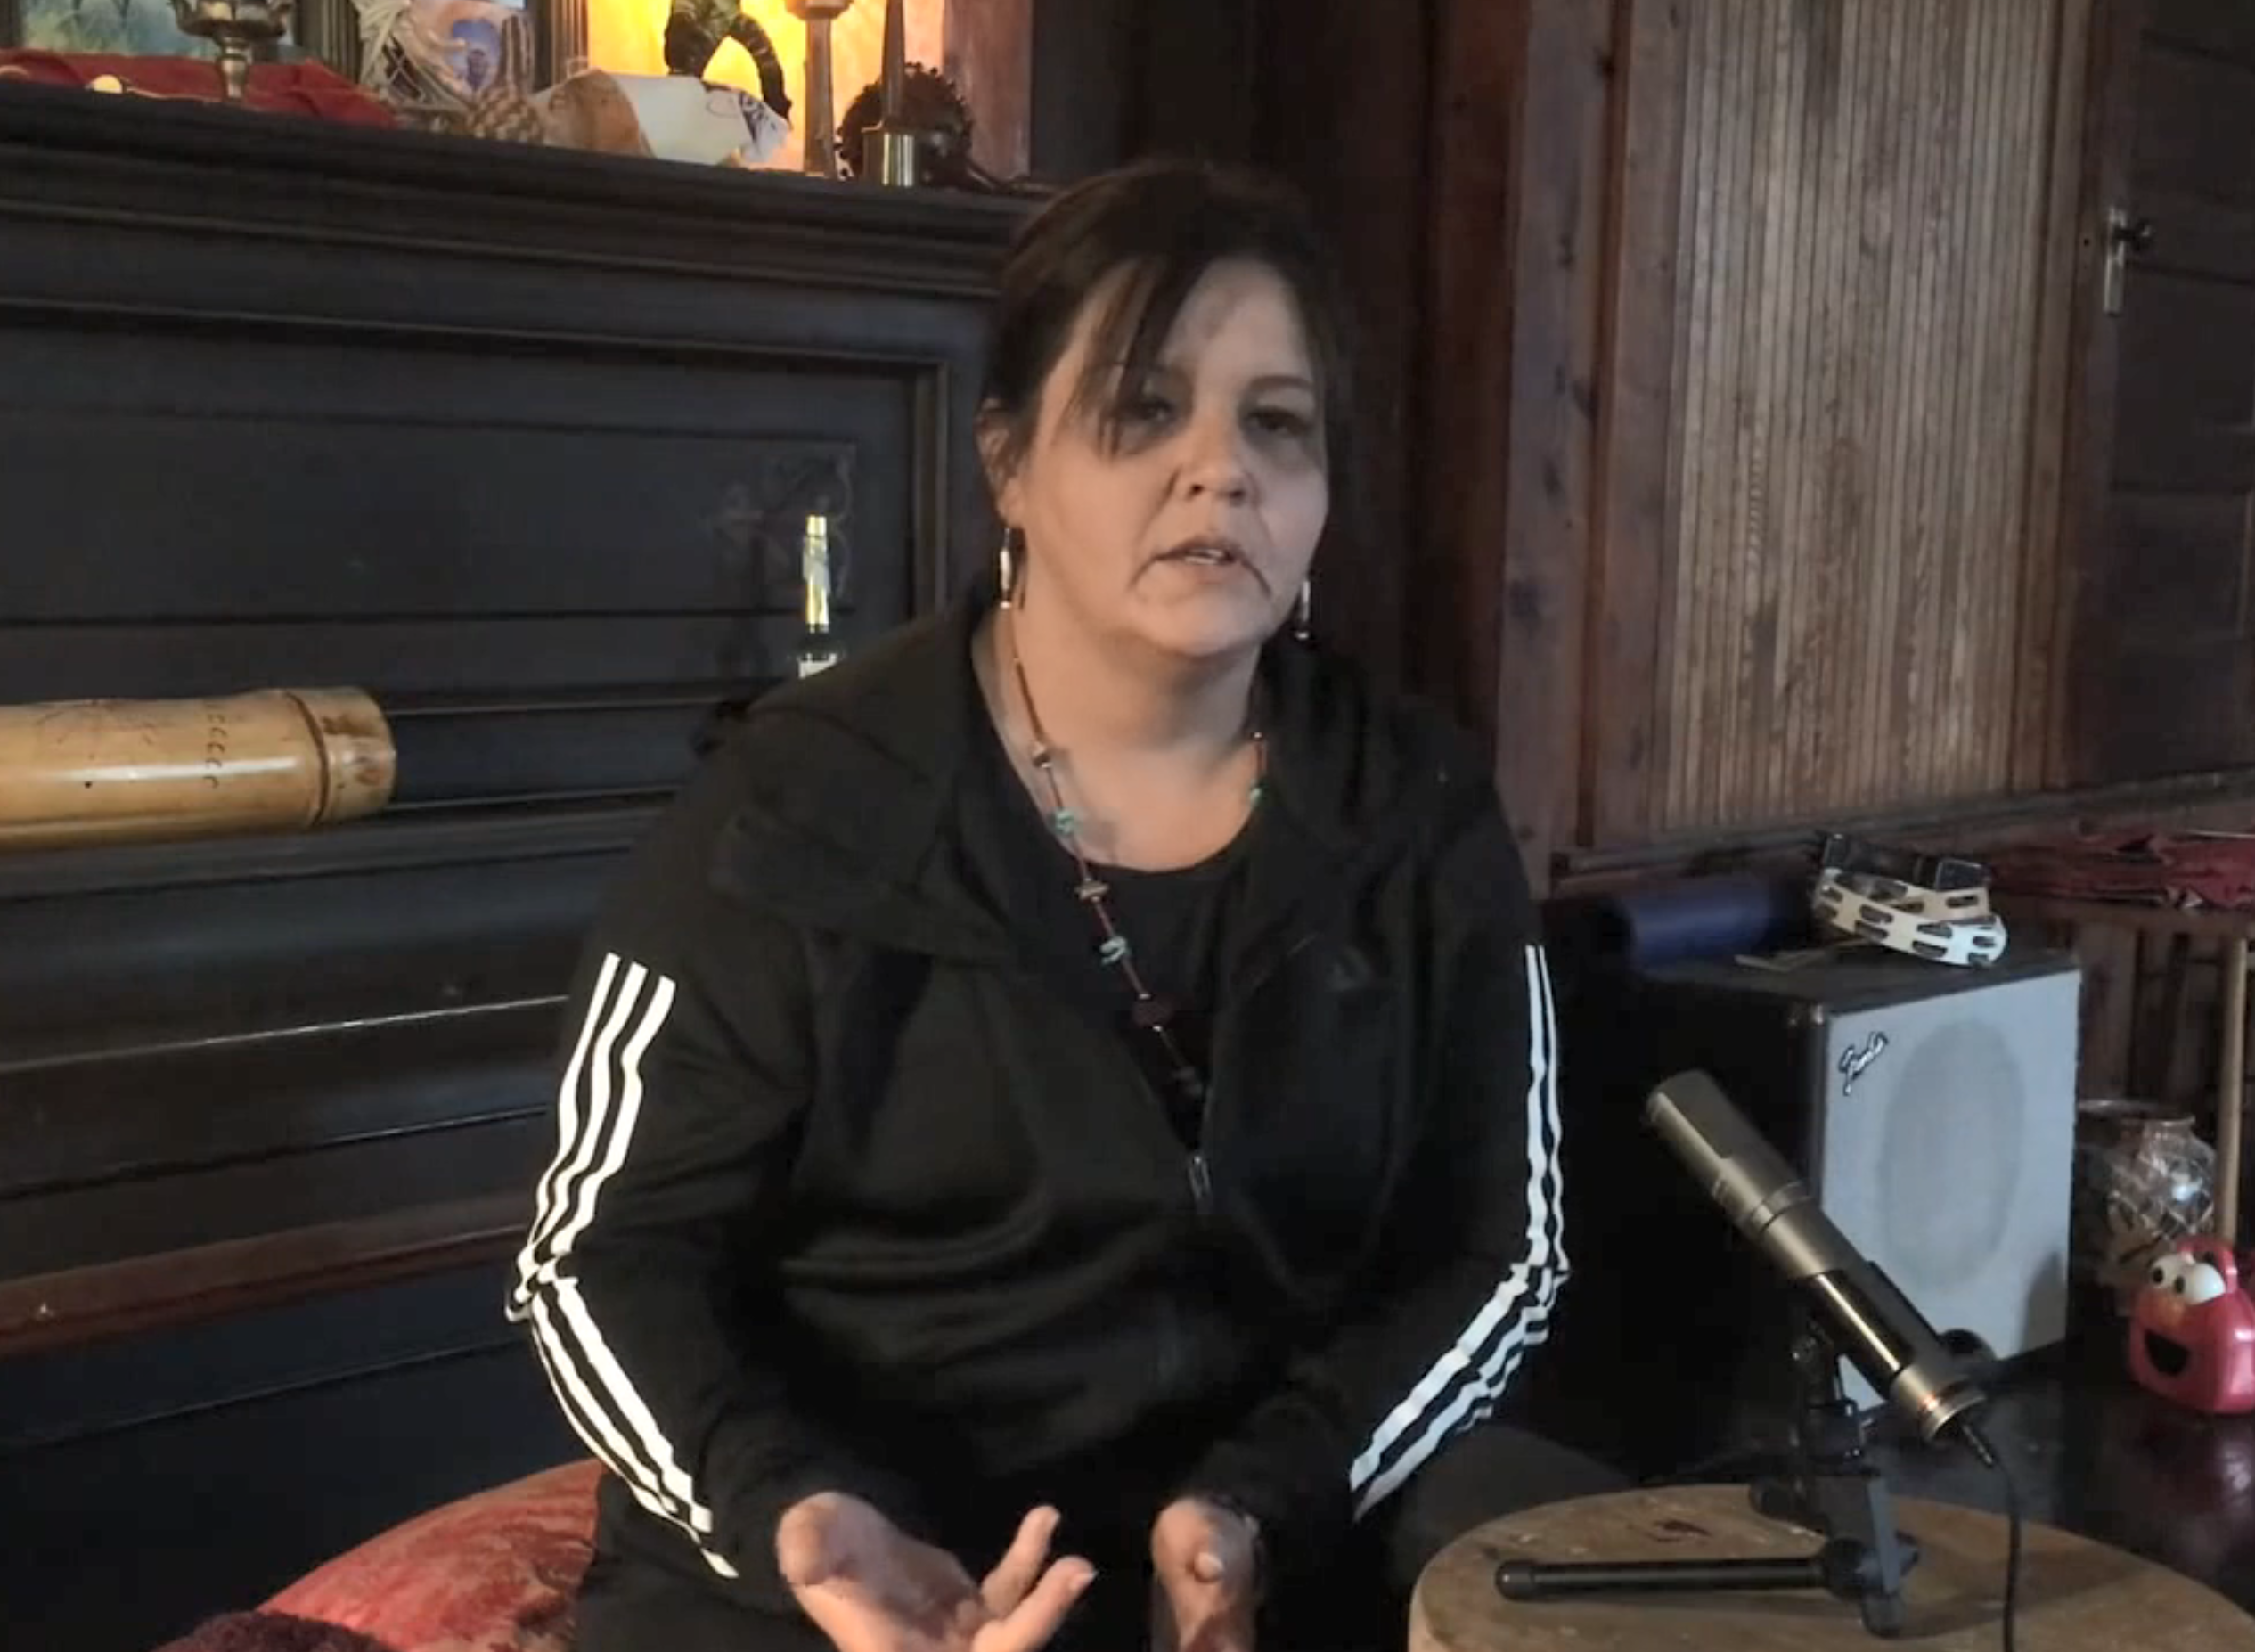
column 1872, row 1325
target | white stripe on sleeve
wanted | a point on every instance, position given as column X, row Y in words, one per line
column 599, row 1105
column 567, row 1133
column 1471, row 1374
column 582, row 1103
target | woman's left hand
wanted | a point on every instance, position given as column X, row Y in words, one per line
column 1204, row 1588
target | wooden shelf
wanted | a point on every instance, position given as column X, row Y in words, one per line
column 109, row 1299
column 145, row 160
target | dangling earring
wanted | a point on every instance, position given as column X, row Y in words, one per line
column 1008, row 565
column 1303, row 609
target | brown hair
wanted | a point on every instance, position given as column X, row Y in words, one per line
column 1162, row 223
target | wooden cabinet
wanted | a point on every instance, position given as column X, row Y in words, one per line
column 521, row 443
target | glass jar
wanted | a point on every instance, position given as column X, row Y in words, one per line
column 2144, row 1180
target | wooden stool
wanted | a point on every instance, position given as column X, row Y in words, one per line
column 2075, row 1595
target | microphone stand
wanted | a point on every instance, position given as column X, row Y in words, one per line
column 1826, row 1485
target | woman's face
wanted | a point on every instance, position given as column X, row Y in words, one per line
column 1191, row 535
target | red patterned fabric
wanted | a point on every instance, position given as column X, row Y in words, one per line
column 496, row 1571
column 2214, row 871
column 276, row 88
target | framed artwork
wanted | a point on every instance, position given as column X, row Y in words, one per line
column 433, row 54
column 454, row 47
column 131, row 28
column 461, row 40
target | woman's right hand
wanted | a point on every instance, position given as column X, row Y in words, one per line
column 871, row 1588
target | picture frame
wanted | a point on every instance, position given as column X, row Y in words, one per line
column 131, row 28
column 459, row 40
column 327, row 31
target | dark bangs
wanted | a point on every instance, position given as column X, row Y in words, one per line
column 1157, row 227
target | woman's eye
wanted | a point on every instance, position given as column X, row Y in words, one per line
column 1148, row 410
column 1283, row 422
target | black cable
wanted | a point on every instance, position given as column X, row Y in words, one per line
column 1978, row 1443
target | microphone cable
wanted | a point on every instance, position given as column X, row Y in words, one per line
column 1978, row 1443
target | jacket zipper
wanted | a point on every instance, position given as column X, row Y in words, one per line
column 1200, row 1166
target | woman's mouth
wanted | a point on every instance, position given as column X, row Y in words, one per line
column 1207, row 553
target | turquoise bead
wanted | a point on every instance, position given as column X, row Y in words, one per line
column 1115, row 949
column 1065, row 821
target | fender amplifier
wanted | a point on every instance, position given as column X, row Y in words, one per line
column 1931, row 1111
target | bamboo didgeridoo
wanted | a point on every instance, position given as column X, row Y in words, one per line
column 112, row 770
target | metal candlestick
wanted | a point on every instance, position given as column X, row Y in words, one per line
column 236, row 27
column 890, row 149
column 821, row 100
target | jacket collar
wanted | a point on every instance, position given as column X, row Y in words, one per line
column 853, row 817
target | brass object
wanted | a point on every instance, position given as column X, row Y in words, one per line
column 821, row 99
column 2126, row 233
column 818, row 651
column 890, row 149
column 236, row 28
column 935, row 111
column 890, row 158
column 109, row 771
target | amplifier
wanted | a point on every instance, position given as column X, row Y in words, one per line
column 1930, row 1109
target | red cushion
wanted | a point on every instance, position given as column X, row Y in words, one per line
column 283, row 88
column 495, row 1572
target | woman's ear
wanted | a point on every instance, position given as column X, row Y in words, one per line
column 1001, row 454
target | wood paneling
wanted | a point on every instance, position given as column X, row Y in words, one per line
column 1082, row 105
column 2165, row 630
column 2065, row 275
column 1738, row 464
column 990, row 57
column 1458, row 609
column 1564, row 123
column 1631, row 520
column 1504, row 453
column 211, row 1279
column 1343, row 101
column 1752, row 478
column 1859, row 228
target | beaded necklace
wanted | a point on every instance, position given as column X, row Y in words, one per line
column 1149, row 1012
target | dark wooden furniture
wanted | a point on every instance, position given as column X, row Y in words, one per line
column 522, row 443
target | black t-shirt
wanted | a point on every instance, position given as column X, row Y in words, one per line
column 1175, row 921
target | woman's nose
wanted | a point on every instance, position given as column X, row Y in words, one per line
column 1216, row 467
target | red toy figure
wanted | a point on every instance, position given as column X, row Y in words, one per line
column 2192, row 1330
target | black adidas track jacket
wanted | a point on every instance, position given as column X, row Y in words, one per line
column 848, row 1194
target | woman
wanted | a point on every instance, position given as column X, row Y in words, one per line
column 1070, row 1090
